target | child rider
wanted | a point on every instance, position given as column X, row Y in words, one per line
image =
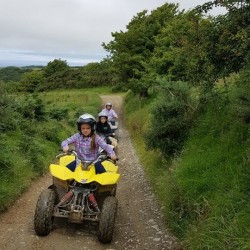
column 110, row 112
column 87, row 142
column 103, row 128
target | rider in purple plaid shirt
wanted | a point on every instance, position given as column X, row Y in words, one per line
column 87, row 142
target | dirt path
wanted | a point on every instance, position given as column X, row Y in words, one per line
column 139, row 224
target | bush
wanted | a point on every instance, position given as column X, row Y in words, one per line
column 171, row 119
column 243, row 97
column 52, row 132
column 32, row 81
column 58, row 113
column 9, row 118
column 32, row 108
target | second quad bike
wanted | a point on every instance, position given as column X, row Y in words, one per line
column 109, row 139
column 80, row 195
column 114, row 128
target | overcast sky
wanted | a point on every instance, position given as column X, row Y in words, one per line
column 34, row 32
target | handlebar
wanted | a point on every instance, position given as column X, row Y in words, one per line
column 101, row 157
column 70, row 152
column 113, row 123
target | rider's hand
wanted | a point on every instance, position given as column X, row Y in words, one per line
column 65, row 149
column 113, row 157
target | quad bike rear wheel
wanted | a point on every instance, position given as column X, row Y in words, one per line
column 43, row 219
column 107, row 219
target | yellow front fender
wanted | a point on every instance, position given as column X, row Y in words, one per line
column 64, row 173
column 106, row 178
column 86, row 176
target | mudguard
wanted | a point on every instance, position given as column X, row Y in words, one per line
column 86, row 176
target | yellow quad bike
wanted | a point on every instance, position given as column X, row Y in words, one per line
column 79, row 195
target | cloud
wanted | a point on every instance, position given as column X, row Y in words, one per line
column 73, row 30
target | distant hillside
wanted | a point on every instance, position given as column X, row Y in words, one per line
column 33, row 67
column 12, row 73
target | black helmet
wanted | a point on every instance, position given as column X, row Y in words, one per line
column 86, row 119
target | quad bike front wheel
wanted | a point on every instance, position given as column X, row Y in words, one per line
column 43, row 219
column 107, row 219
column 113, row 191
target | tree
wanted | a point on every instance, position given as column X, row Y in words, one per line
column 131, row 51
column 56, row 73
column 228, row 35
column 54, row 67
column 179, row 53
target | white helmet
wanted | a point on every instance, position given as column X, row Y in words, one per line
column 108, row 104
column 103, row 114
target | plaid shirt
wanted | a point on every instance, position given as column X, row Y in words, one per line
column 83, row 146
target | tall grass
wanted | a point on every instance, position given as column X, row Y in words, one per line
column 213, row 177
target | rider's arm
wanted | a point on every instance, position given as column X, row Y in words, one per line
column 71, row 140
column 114, row 114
